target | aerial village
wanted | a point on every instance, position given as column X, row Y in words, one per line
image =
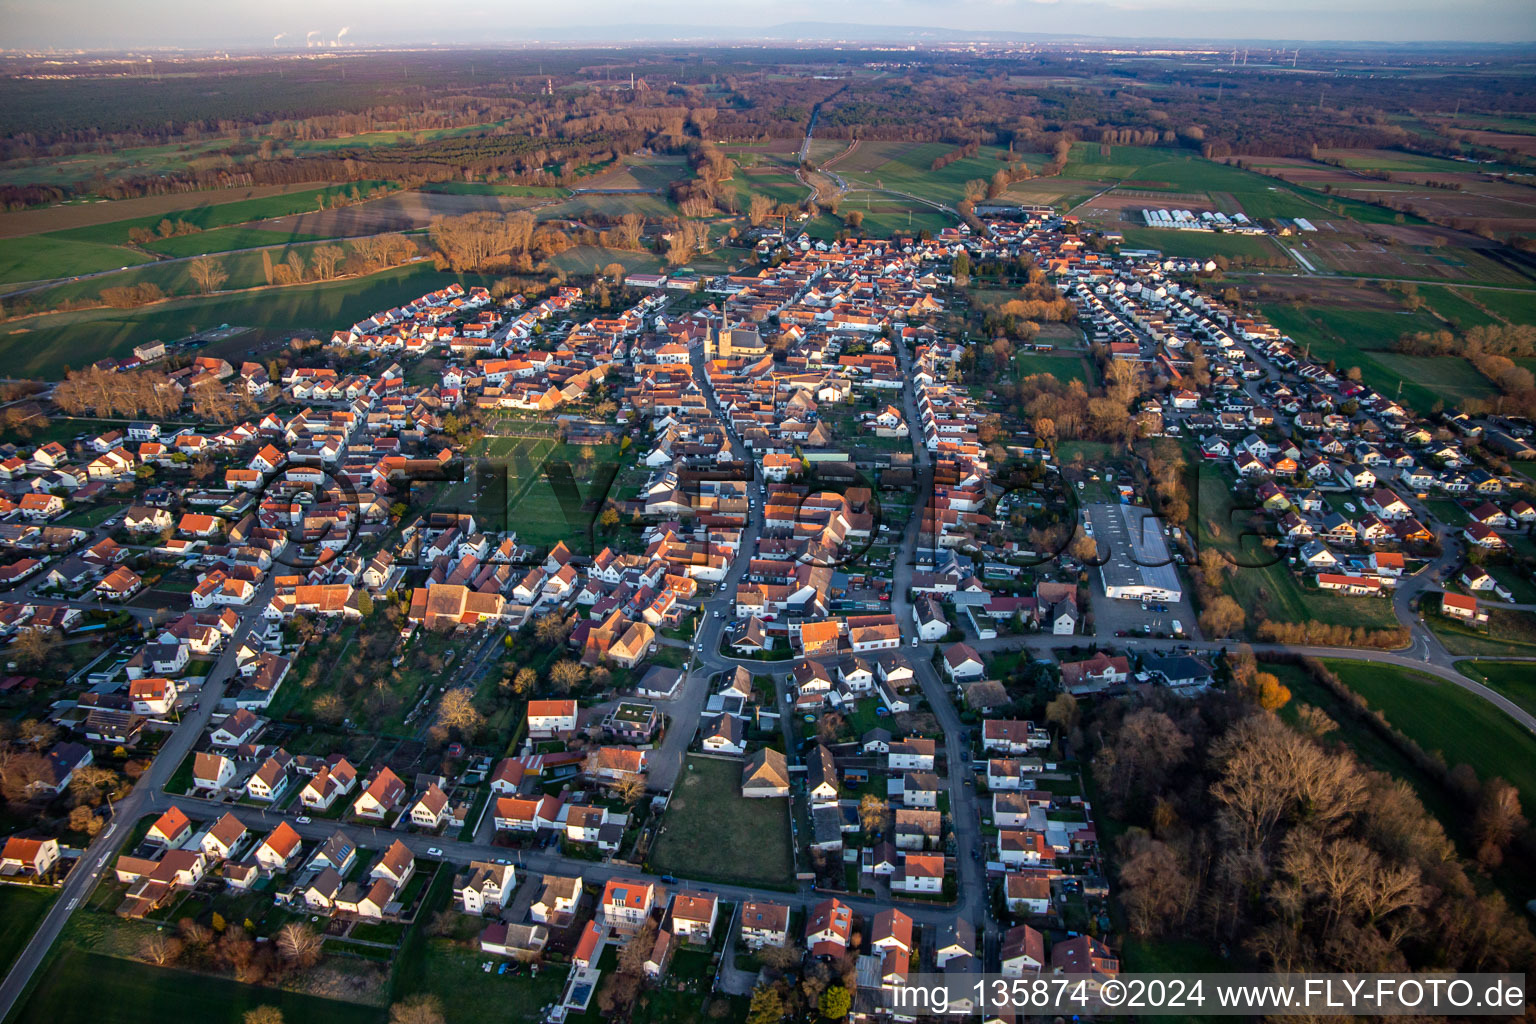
column 800, row 594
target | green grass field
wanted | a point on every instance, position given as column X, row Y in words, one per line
column 454, row 975
column 44, row 346
column 1201, row 244
column 532, row 507
column 220, row 215
column 225, row 240
column 1456, row 306
column 21, row 908
column 1509, row 634
column 1364, row 338
column 1514, row 679
column 1515, row 306
column 1271, row 591
column 1441, row 716
column 481, row 188
column 907, row 167
column 1064, row 368
column 244, row 270
column 44, row 258
column 1178, row 170
column 86, row 988
column 710, row 832
column 583, row 259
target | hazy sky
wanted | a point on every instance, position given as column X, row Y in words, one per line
column 232, row 23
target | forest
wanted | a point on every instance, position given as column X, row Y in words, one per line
column 1276, row 843
column 540, row 119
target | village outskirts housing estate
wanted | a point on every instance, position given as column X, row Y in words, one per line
column 747, row 617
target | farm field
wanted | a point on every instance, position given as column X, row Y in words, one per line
column 244, row 270
column 1364, row 338
column 1441, row 716
column 21, row 908
column 128, row 992
column 224, row 240
column 885, row 216
column 482, row 188
column 1515, row 306
column 906, row 167
column 1513, row 679
column 1461, row 308
column 710, row 831
column 90, row 212
column 642, row 172
column 43, row 346
column 227, row 214
column 43, row 258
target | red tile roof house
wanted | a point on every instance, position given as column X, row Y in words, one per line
column 383, row 796
column 692, row 917
column 431, row 808
column 1084, row 955
column 1456, row 606
column 23, row 857
column 1023, row 951
column 626, row 903
column 396, row 866
column 171, row 829
column 549, row 719
column 828, row 929
column 764, row 924
column 280, row 850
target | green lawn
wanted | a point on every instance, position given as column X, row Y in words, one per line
column 21, row 908
column 44, row 346
column 1514, row 679
column 1440, row 716
column 1515, row 306
column 87, row 988
column 468, row 993
column 711, row 832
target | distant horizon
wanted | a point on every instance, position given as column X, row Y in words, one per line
column 285, row 25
